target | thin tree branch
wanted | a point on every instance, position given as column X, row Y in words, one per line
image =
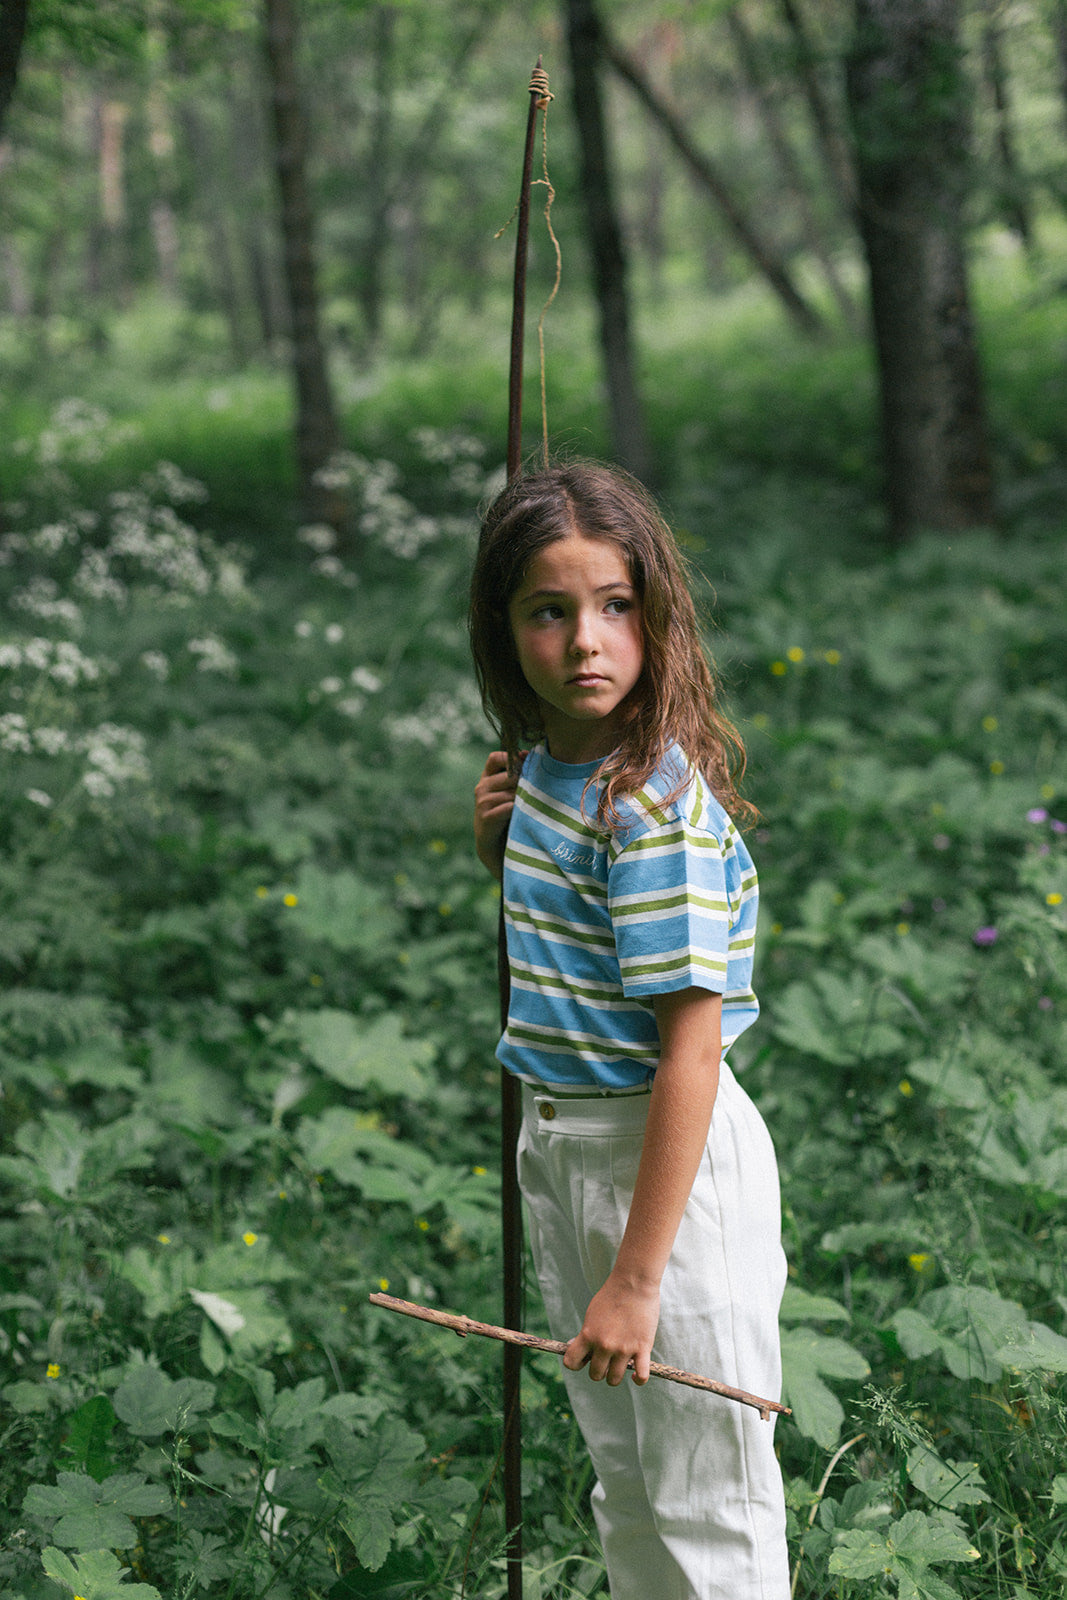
column 708, row 175
column 530, row 1341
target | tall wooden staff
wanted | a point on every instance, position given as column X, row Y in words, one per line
column 510, row 1104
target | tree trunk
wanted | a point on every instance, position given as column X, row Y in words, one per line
column 606, row 252
column 370, row 287
column 318, row 433
column 13, row 15
column 907, row 100
column 707, row 175
column 216, row 206
column 1014, row 199
column 793, row 178
column 828, row 136
column 161, row 145
column 1059, row 34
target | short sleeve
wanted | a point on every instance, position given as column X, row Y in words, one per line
column 678, row 919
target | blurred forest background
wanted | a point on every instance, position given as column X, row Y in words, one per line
column 254, row 319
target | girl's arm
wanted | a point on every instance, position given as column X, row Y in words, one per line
column 620, row 1323
column 494, row 797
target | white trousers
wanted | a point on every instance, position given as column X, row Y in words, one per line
column 688, row 1502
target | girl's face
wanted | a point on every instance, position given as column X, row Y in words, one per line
column 576, row 622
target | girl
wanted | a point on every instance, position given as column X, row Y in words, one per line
column 649, row 1178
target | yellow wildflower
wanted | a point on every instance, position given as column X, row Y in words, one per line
column 832, row 657
column 779, row 669
column 918, row 1260
column 438, row 847
column 905, row 1088
column 990, row 724
column 383, row 1285
column 53, row 1370
column 262, row 892
column 250, row 1239
column 290, row 899
column 795, row 653
column 996, row 768
column 1054, row 899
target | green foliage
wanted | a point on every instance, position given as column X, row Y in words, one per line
column 247, row 1027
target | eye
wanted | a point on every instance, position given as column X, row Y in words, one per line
column 546, row 613
column 619, row 606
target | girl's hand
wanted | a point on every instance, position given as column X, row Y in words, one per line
column 619, row 1327
column 494, row 796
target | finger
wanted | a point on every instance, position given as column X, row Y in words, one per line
column 577, row 1353
column 641, row 1369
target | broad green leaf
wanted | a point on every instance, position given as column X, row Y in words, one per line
column 150, row 1403
column 800, row 1306
column 56, row 1148
column 807, row 1357
column 906, row 1552
column 358, row 1053
column 251, row 1325
column 95, row 1516
column 95, row 1575
column 88, row 1436
column 967, row 1325
column 1034, row 1348
column 383, row 1168
column 369, row 1524
column 161, row 1275
column 947, row 1483
column 836, row 1018
column 343, row 911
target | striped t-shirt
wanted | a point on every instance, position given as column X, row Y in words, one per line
column 596, row 925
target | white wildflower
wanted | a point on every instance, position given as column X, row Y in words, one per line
column 328, row 566
column 214, row 656
column 51, row 740
column 98, row 784
column 95, row 579
column 365, row 679
column 155, row 662
column 303, row 629
column 351, row 705
column 54, row 537
column 14, row 734
column 41, row 598
column 331, row 686
column 115, row 755
column 334, row 633
column 174, row 485
column 71, row 667
column 39, row 797
column 445, row 718
column 318, row 536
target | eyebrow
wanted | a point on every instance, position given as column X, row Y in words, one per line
column 554, row 594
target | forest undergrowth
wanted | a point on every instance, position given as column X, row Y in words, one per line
column 247, row 1024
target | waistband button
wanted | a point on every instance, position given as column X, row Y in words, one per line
column 546, row 1109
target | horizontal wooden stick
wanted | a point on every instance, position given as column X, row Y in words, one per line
column 530, row 1341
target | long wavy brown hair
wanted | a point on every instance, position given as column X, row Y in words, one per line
column 674, row 699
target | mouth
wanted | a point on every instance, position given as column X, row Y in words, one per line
column 587, row 680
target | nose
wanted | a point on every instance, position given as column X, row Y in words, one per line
column 584, row 639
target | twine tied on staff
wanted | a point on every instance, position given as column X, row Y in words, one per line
column 531, row 1341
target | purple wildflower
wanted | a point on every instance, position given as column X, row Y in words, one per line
column 1044, row 1004
column 1037, row 814
column 985, row 936
column 1058, row 826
